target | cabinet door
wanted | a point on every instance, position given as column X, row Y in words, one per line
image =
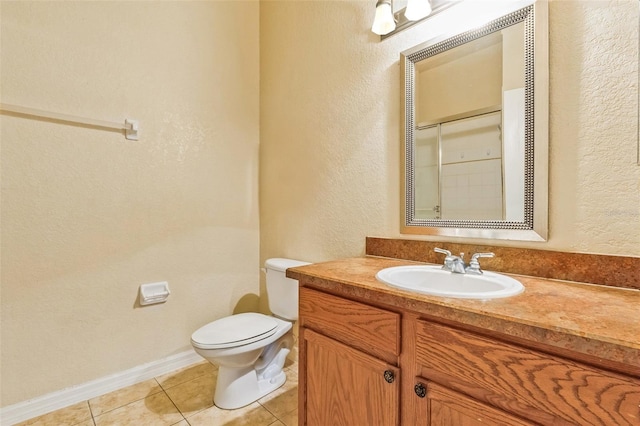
column 544, row 388
column 344, row 386
column 444, row 407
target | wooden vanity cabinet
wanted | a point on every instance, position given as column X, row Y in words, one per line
column 348, row 368
column 352, row 360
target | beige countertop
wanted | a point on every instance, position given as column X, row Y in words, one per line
column 598, row 321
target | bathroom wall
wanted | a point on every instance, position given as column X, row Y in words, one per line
column 88, row 216
column 330, row 112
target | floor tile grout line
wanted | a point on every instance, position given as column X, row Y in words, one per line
column 174, row 404
column 265, row 407
column 125, row 404
column 184, row 418
column 181, row 383
column 93, row 419
column 274, row 414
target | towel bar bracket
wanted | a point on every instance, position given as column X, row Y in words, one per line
column 131, row 132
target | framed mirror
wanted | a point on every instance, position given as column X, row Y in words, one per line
column 475, row 129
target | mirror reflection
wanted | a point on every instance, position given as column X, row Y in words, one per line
column 469, row 137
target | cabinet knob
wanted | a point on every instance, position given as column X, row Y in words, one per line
column 420, row 390
column 389, row 376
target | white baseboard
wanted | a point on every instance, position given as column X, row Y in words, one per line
column 25, row 410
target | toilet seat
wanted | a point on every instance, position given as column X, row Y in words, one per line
column 234, row 330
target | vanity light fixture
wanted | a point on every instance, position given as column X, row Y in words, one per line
column 383, row 23
column 417, row 9
column 388, row 22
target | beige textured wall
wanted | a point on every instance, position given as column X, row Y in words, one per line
column 594, row 175
column 88, row 216
column 329, row 171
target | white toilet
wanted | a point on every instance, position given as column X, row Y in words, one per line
column 250, row 349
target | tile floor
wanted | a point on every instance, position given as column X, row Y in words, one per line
column 183, row 398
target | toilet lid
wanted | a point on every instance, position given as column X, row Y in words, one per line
column 234, row 330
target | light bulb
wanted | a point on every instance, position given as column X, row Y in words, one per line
column 417, row 9
column 383, row 23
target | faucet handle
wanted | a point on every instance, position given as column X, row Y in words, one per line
column 443, row 251
column 474, row 265
column 448, row 260
column 478, row 255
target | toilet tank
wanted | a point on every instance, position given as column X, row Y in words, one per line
column 282, row 291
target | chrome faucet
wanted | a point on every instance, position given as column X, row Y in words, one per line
column 456, row 265
column 452, row 263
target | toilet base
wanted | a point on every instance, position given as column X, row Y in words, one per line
column 238, row 387
column 235, row 390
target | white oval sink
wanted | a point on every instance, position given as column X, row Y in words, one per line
column 434, row 280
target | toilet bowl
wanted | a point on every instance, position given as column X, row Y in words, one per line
column 250, row 349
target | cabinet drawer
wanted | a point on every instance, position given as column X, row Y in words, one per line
column 543, row 388
column 370, row 329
